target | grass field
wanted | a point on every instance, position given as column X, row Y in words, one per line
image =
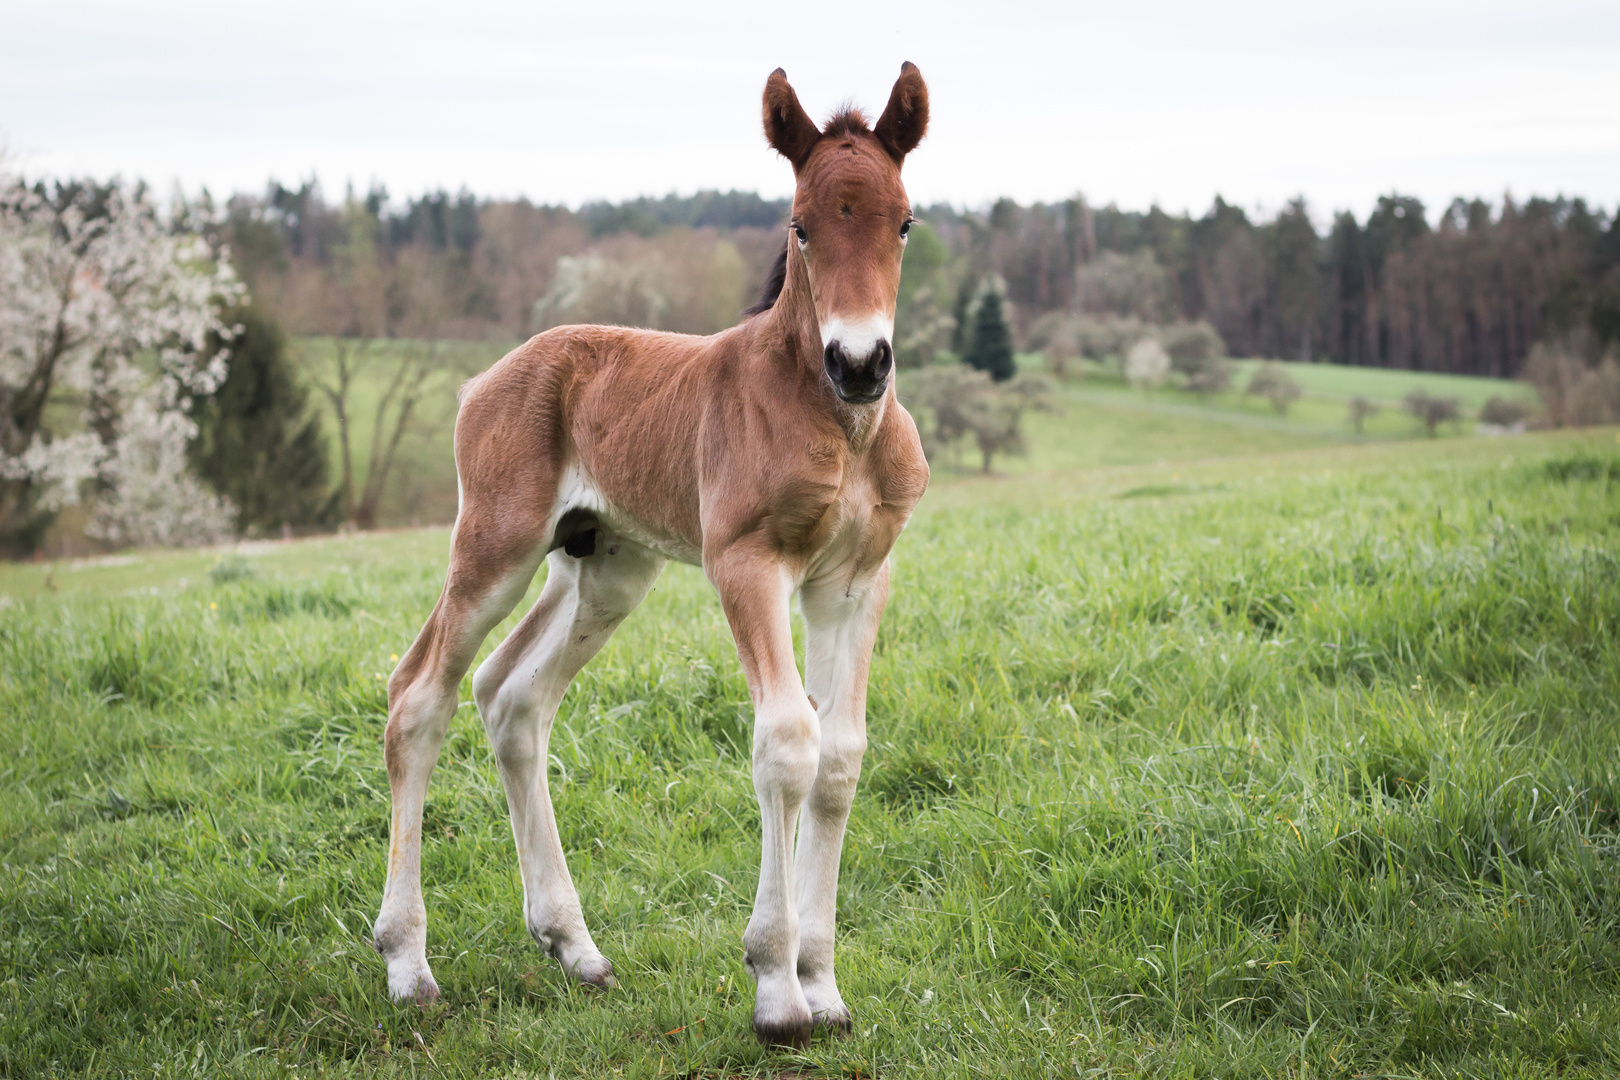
column 1299, row 761
column 1101, row 421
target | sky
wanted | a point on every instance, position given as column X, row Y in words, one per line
column 1136, row 104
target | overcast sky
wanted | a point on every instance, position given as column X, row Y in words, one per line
column 1132, row 103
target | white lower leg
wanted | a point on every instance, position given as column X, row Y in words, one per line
column 786, row 747
column 821, row 841
column 400, row 932
column 841, row 625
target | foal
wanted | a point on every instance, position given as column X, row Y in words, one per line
column 775, row 455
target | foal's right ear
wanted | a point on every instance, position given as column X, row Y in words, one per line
column 788, row 128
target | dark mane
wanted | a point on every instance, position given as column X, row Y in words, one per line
column 774, row 281
column 848, row 120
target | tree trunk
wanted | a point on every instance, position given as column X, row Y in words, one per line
column 407, row 383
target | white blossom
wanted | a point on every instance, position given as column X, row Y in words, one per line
column 105, row 324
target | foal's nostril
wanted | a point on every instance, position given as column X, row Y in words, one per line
column 884, row 360
column 832, row 357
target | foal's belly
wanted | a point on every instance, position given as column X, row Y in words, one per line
column 852, row 533
column 577, row 492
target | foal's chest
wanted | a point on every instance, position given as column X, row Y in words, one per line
column 857, row 528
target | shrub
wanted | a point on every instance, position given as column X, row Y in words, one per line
column 1272, row 382
column 1107, row 338
column 1431, row 411
column 927, row 329
column 1212, row 377
column 1193, row 346
column 966, row 402
column 1576, row 384
column 1057, row 335
column 1504, row 412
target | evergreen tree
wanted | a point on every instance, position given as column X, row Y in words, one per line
column 990, row 347
column 257, row 442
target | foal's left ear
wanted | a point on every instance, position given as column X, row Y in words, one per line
column 905, row 119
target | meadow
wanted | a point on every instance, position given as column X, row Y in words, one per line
column 1197, row 749
column 1099, row 422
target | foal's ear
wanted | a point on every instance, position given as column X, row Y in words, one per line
column 905, row 119
column 788, row 128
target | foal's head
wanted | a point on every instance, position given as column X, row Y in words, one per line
column 850, row 220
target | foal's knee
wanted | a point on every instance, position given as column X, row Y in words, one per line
column 508, row 711
column 418, row 714
column 837, row 773
column 787, row 749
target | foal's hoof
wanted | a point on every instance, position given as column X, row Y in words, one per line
column 593, row 971
column 792, row 1034
column 413, row 987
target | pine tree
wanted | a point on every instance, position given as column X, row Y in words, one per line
column 990, row 347
column 257, row 442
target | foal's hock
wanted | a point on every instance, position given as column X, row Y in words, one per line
column 773, row 454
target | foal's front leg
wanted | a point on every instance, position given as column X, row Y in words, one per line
column 754, row 591
column 841, row 623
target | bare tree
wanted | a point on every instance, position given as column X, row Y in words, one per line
column 403, row 393
column 349, row 357
column 1362, row 409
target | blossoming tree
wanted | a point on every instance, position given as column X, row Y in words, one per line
column 106, row 311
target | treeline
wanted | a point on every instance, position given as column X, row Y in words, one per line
column 1470, row 293
column 454, row 266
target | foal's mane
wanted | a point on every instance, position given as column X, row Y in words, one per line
column 848, row 120
column 774, row 281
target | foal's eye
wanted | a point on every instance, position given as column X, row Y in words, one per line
column 905, row 229
column 798, row 230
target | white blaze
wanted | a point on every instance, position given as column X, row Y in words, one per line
column 858, row 337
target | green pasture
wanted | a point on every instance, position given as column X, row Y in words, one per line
column 1296, row 760
column 1235, row 422
column 1100, row 422
column 1389, row 385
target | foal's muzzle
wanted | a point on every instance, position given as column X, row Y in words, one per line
column 859, row 380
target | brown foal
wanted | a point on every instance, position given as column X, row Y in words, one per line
column 775, row 455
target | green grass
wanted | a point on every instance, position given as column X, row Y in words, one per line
column 1261, row 765
column 1176, row 423
column 1101, row 423
column 1389, row 385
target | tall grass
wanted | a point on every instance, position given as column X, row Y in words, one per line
column 1256, row 767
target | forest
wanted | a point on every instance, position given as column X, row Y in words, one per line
column 1468, row 290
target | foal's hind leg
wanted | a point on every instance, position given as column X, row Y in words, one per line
column 518, row 690
column 488, row 575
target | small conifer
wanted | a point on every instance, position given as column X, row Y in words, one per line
column 990, row 348
column 257, row 441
